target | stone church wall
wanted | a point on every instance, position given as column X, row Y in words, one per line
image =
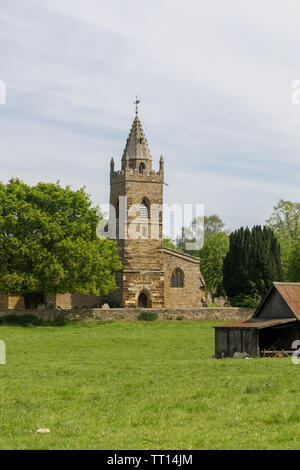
column 69, row 301
column 149, row 282
column 11, row 301
column 131, row 314
column 191, row 294
column 4, row 301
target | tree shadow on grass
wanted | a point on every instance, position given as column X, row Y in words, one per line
column 32, row 320
column 59, row 320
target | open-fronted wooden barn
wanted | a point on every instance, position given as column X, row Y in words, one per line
column 272, row 330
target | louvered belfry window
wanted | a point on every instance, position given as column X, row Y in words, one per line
column 177, row 278
column 144, row 210
column 142, row 167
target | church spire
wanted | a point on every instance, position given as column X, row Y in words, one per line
column 136, row 149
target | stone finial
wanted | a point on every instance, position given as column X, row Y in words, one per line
column 112, row 165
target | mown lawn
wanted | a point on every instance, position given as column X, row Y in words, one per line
column 142, row 386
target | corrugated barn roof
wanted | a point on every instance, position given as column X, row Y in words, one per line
column 254, row 323
column 290, row 292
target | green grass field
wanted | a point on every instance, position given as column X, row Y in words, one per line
column 142, row 385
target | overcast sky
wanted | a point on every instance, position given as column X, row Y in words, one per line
column 214, row 78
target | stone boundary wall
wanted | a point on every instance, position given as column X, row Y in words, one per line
column 131, row 314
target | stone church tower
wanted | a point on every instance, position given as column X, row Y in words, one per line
column 152, row 275
column 136, row 193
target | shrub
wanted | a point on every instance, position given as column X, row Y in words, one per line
column 248, row 301
column 147, row 316
column 179, row 318
column 60, row 319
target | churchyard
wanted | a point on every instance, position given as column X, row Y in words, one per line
column 141, row 385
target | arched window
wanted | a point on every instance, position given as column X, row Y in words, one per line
column 144, row 212
column 142, row 167
column 177, row 278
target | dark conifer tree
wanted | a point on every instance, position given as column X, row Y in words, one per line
column 252, row 262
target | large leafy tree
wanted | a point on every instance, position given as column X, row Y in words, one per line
column 293, row 271
column 169, row 243
column 48, row 242
column 211, row 225
column 252, row 263
column 211, row 260
column 215, row 247
column 285, row 223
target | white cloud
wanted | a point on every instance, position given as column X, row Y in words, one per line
column 215, row 82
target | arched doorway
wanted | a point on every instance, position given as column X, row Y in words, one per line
column 143, row 300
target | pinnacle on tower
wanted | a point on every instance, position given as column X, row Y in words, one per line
column 112, row 165
column 161, row 163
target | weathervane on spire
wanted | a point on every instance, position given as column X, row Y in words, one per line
column 136, row 102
